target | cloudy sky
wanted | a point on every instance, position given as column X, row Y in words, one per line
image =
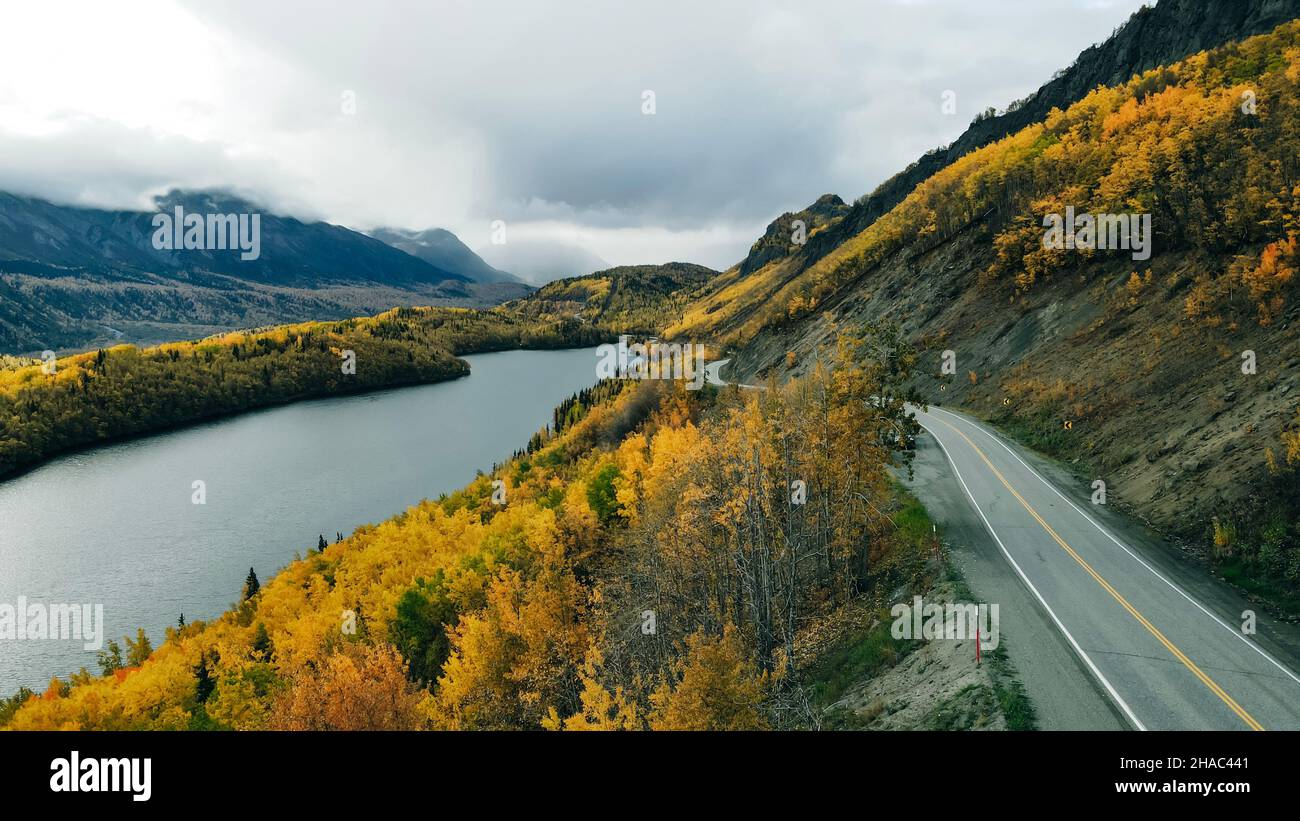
column 455, row 114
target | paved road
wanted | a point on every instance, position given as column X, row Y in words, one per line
column 1064, row 693
column 1165, row 660
column 713, row 375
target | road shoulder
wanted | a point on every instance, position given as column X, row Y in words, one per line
column 1065, row 695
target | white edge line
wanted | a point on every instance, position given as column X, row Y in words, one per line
column 1077, row 649
column 1252, row 645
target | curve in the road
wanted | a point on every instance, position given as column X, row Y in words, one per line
column 713, row 375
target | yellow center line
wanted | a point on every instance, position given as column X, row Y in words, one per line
column 1178, row 654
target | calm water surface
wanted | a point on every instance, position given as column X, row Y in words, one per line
column 115, row 525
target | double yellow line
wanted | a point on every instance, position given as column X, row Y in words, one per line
column 1133, row 611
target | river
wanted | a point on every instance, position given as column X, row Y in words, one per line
column 117, row 525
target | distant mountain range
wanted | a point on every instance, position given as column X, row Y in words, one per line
column 539, row 262
column 74, row 277
column 444, row 250
column 292, row 253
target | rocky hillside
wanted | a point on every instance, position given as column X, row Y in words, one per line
column 791, row 229
column 1153, row 36
column 1172, row 378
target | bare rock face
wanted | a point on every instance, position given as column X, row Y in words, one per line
column 779, row 240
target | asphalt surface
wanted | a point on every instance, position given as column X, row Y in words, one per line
column 713, row 375
column 1063, row 691
column 1137, row 641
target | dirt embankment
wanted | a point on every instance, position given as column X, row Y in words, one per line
column 916, row 685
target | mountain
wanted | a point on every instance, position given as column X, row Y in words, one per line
column 1165, row 368
column 1169, row 374
column 1154, row 36
column 779, row 238
column 444, row 250
column 539, row 262
column 291, row 253
column 73, row 277
column 631, row 298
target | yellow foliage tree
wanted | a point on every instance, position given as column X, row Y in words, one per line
column 715, row 687
column 361, row 687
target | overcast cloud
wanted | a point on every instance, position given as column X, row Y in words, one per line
column 528, row 112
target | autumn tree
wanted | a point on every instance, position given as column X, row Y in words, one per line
column 138, row 650
column 520, row 656
column 715, row 686
column 601, row 709
column 110, row 658
column 359, row 687
column 1267, row 281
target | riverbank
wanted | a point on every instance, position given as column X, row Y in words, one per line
column 117, row 524
column 122, row 392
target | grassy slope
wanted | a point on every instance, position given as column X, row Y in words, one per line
column 865, row 650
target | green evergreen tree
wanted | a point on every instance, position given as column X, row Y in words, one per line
column 262, row 646
column 204, row 683
column 9, row 706
column 110, row 658
column 251, row 585
column 419, row 628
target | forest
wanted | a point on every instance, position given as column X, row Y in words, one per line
column 637, row 299
column 655, row 561
column 97, row 396
column 1208, row 149
column 1209, row 146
